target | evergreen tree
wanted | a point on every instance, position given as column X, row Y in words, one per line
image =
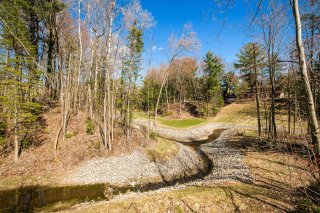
column 246, row 61
column 250, row 62
column 20, row 76
column 230, row 84
column 130, row 74
column 213, row 71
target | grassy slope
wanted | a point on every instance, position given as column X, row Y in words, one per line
column 173, row 122
column 244, row 113
column 239, row 113
column 181, row 123
column 276, row 176
column 163, row 150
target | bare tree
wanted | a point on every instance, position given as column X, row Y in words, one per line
column 315, row 132
column 272, row 25
column 107, row 86
column 187, row 42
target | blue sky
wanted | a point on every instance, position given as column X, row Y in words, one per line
column 207, row 19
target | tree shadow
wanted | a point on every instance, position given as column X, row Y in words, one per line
column 277, row 193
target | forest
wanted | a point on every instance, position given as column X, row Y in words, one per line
column 91, row 120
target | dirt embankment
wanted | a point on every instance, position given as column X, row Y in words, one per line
column 138, row 169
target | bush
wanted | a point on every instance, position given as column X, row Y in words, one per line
column 90, row 127
column 71, row 134
column 3, row 127
column 2, row 140
column 26, row 143
column 153, row 135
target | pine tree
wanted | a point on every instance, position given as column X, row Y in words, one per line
column 213, row 71
column 130, row 74
column 20, row 76
column 250, row 62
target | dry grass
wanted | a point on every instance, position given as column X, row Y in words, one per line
column 162, row 150
column 244, row 113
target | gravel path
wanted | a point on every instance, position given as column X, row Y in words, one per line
column 200, row 132
column 227, row 162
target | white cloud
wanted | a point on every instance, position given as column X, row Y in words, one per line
column 160, row 48
column 154, row 48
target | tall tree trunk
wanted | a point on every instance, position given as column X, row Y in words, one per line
column 273, row 107
column 96, row 85
column 167, row 98
column 180, row 102
column 106, row 102
column 128, row 107
column 148, row 106
column 113, row 112
column 295, row 111
column 315, row 132
column 158, row 100
column 272, row 123
column 16, row 128
column 257, row 92
column 50, row 43
column 91, row 102
column 78, row 93
column 62, row 102
column 289, row 102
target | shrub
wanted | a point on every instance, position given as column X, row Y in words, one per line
column 70, row 134
column 153, row 135
column 90, row 127
column 3, row 127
